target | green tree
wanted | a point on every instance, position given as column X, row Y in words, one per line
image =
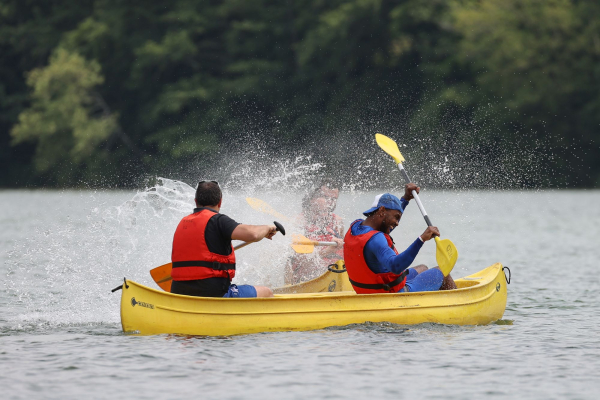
column 527, row 88
column 66, row 116
column 94, row 88
column 29, row 31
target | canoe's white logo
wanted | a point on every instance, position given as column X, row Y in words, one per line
column 141, row 303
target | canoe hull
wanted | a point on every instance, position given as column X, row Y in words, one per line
column 480, row 299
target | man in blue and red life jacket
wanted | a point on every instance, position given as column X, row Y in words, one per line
column 203, row 257
column 372, row 261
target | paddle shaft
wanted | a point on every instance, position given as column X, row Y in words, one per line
column 241, row 245
column 315, row 243
column 415, row 195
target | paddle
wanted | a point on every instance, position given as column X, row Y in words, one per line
column 162, row 274
column 303, row 245
column 261, row 206
column 446, row 254
column 300, row 244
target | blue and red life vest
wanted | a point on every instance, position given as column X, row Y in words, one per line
column 191, row 257
column 362, row 278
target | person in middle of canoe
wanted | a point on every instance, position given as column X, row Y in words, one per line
column 203, row 257
column 322, row 225
column 372, row 261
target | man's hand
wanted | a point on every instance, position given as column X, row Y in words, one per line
column 328, row 250
column 408, row 188
column 429, row 233
column 340, row 242
column 272, row 231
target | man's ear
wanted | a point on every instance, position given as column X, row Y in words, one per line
column 220, row 201
column 381, row 210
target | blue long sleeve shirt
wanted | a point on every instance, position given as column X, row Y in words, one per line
column 380, row 257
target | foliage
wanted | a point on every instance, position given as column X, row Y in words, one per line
column 101, row 91
column 65, row 115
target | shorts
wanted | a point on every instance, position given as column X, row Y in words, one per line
column 240, row 291
column 427, row 281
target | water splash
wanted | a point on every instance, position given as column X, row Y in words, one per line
column 63, row 271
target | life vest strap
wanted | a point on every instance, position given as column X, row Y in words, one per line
column 208, row 264
column 379, row 286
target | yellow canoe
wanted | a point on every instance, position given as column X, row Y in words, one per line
column 480, row 299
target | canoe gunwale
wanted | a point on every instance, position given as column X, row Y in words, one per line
column 334, row 295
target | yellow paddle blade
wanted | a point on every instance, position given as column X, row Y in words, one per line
column 446, row 255
column 300, row 239
column 301, row 244
column 261, row 206
column 162, row 276
column 303, row 248
column 389, row 146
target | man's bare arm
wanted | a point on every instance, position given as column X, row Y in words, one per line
column 253, row 233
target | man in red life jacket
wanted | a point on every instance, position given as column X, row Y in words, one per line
column 320, row 224
column 372, row 262
column 203, row 257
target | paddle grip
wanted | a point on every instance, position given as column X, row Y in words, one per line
column 279, row 227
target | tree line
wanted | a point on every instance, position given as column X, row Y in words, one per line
column 96, row 92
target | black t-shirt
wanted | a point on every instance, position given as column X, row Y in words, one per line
column 218, row 232
column 218, row 240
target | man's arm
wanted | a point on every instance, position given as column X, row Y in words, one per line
column 404, row 203
column 387, row 259
column 253, row 233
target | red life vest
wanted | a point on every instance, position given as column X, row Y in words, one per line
column 304, row 268
column 362, row 278
column 326, row 233
column 191, row 258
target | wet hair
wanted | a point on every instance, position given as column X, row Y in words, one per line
column 329, row 183
column 317, row 192
column 208, row 194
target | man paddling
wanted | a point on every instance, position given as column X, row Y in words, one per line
column 322, row 225
column 372, row 262
column 203, row 257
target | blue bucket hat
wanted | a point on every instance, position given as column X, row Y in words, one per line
column 386, row 200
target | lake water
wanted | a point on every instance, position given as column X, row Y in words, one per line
column 63, row 251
